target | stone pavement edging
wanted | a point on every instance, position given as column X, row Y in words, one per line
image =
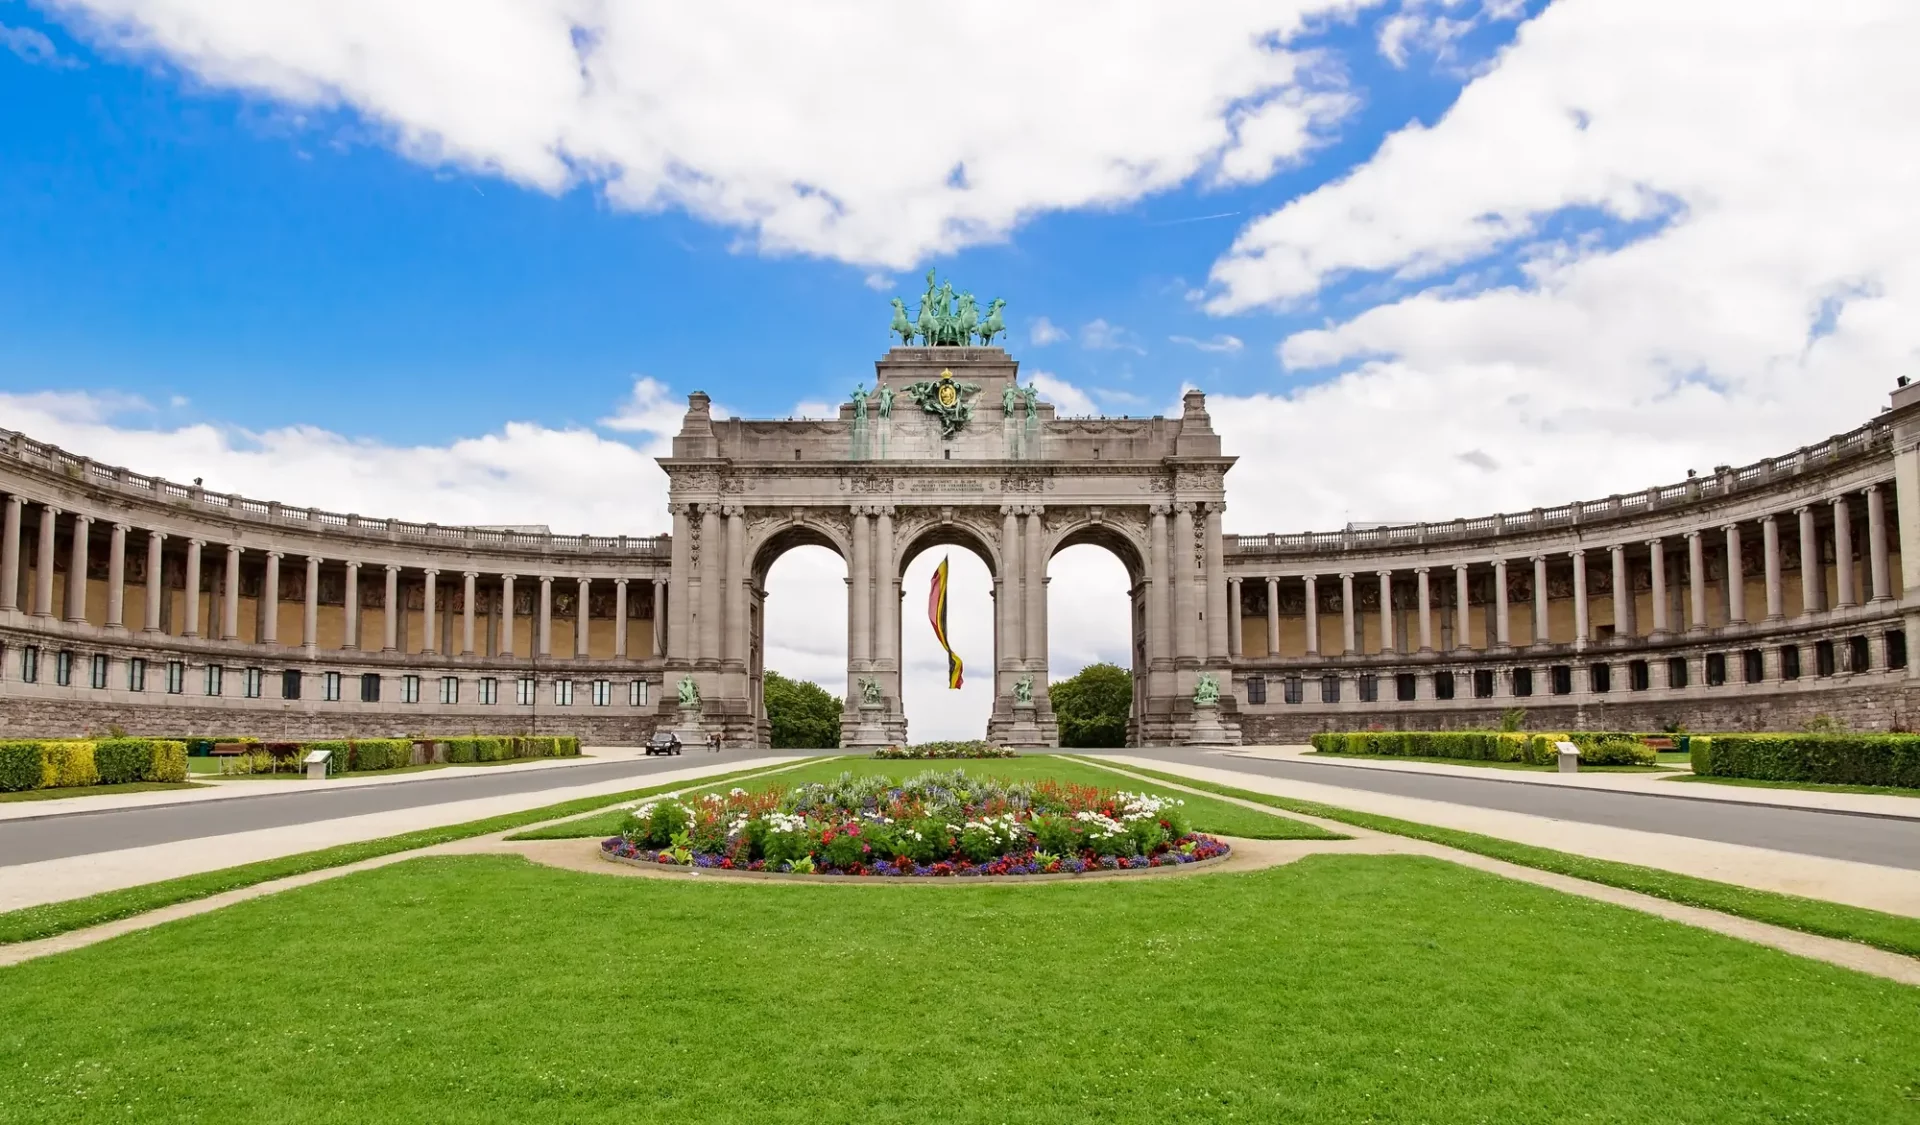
column 1662, row 785
column 211, row 788
column 1892, row 890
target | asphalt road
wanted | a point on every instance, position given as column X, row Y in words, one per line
column 1867, row 839
column 283, row 803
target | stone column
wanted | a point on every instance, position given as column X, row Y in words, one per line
column 1313, row 614
column 192, row 588
column 1186, row 615
column 1657, row 558
column 1736, row 578
column 1813, row 578
column 735, row 648
column 1035, row 556
column 505, row 641
column 1462, row 638
column 659, row 623
column 390, row 611
column 1696, row 582
column 352, row 606
column 117, row 578
column 1843, row 594
column 886, row 590
column 1623, row 624
column 1235, row 630
column 310, row 615
column 270, row 602
column 230, row 599
column 1350, row 638
column 682, row 572
column 1386, row 611
column 1502, row 612
column 619, row 619
column 1425, row 596
column 713, row 553
column 582, row 619
column 544, row 642
column 1012, row 598
column 1582, row 623
column 1541, row 625
column 1159, row 606
column 860, row 594
column 467, row 578
column 430, row 612
column 1216, row 585
column 1878, row 564
column 43, row 562
column 156, row 583
column 77, row 570
column 1776, row 594
column 1273, row 616
column 10, row 556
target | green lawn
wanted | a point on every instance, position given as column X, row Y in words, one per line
column 1814, row 786
column 1208, row 815
column 95, row 790
column 1336, row 989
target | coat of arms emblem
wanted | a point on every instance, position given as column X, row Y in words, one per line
column 945, row 399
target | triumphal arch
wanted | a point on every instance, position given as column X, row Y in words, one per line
column 949, row 447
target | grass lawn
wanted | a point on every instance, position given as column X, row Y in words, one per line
column 1527, row 766
column 1208, row 815
column 95, row 790
column 1336, row 989
column 1815, row 786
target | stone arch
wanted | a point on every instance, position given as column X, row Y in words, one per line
column 776, row 539
column 767, row 545
column 956, row 532
column 1116, row 535
column 1120, row 541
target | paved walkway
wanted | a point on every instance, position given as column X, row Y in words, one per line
column 76, row 874
column 1664, row 784
column 1894, row 889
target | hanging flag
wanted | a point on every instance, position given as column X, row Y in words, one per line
column 937, row 613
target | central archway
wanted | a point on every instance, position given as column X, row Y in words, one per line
column 929, row 709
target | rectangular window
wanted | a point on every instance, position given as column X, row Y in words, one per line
column 1292, row 690
column 1753, row 667
column 1405, row 687
column 1329, row 688
column 603, row 693
column 290, row 683
column 409, row 689
column 1562, row 677
column 30, row 664
column 254, row 678
column 137, row 673
column 637, row 693
column 449, row 689
column 97, row 670
column 1677, row 671
column 1483, row 683
column 1369, row 688
column 1443, row 685
column 1716, row 669
column 1600, row 678
column 63, row 668
column 1523, row 681
column 176, row 677
column 1256, row 689
column 1823, row 658
column 489, row 690
column 1859, row 656
column 330, row 687
column 1638, row 678
column 1896, row 648
column 370, row 687
column 1789, row 662
column 563, row 693
column 216, row 679
column 523, row 691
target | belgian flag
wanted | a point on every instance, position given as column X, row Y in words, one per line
column 937, row 613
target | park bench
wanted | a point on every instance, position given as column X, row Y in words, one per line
column 1658, row 743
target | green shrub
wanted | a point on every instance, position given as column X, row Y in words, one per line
column 1327, row 742
column 67, row 765
column 1478, row 746
column 378, row 753
column 1700, row 754
column 1830, row 759
column 1616, row 752
column 122, row 760
column 169, row 762
column 19, row 766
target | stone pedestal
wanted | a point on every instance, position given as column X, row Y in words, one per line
column 870, row 732
column 1207, row 729
column 1024, row 732
column 690, row 729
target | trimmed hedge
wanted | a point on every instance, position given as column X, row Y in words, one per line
column 77, row 763
column 19, row 766
column 1597, row 748
column 1891, row 760
column 502, row 748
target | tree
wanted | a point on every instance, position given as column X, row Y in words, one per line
column 1093, row 706
column 803, row 715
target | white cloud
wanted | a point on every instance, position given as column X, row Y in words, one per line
column 773, row 119
column 878, row 282
column 817, row 411
column 1066, row 398
column 1100, row 336
column 1223, row 343
column 1765, row 294
column 33, row 47
column 1045, row 332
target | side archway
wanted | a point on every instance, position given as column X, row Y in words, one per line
column 797, row 611
column 1102, row 563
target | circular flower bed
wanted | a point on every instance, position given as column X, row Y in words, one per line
column 928, row 751
column 934, row 825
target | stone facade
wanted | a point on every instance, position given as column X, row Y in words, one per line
column 1760, row 596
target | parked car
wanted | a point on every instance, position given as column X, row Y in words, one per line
column 663, row 742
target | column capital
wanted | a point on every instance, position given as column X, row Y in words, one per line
column 1871, row 489
column 1422, row 569
column 1770, row 518
column 1654, row 542
column 583, row 579
column 16, row 499
column 1310, row 579
column 1180, row 506
column 620, row 581
column 1462, row 566
column 50, row 509
column 196, row 542
column 1162, row 509
column 1839, row 501
column 733, row 511
column 1691, row 535
column 545, row 579
column 314, row 560
column 352, row 564
column 1802, row 509
column 1617, row 549
column 1577, row 553
column 508, row 577
column 469, row 574
column 160, row 535
column 82, row 517
column 1346, row 576
column 1730, row 527
column 392, row 568
column 430, row 571
column 122, row 528
column 1384, row 573
column 883, row 510
column 680, row 508
column 1537, row 558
